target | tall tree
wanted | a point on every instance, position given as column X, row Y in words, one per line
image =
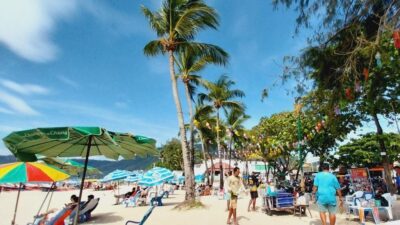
column 365, row 152
column 202, row 119
column 234, row 128
column 171, row 155
column 176, row 24
column 190, row 64
column 221, row 95
column 353, row 56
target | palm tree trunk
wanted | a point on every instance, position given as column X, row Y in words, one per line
column 212, row 165
column 203, row 149
column 385, row 159
column 230, row 152
column 186, row 154
column 191, row 126
column 221, row 169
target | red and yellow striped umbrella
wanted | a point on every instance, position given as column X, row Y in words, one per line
column 23, row 172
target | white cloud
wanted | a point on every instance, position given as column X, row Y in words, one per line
column 16, row 104
column 25, row 26
column 25, row 89
column 6, row 111
column 68, row 81
column 8, row 129
column 110, row 119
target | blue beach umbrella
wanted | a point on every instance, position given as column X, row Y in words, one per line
column 199, row 178
column 180, row 179
column 156, row 176
column 133, row 178
column 116, row 175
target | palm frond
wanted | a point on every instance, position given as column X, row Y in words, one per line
column 194, row 17
column 203, row 97
column 155, row 20
column 153, row 48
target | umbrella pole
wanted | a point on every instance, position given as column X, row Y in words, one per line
column 51, row 197
column 16, row 204
column 45, row 198
column 83, row 179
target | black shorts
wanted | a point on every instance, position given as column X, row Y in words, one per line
column 254, row 194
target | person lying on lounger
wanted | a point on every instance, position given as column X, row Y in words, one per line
column 60, row 216
column 126, row 195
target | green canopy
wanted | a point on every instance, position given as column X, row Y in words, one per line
column 73, row 142
column 70, row 166
column 77, row 141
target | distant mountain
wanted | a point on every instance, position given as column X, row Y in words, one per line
column 7, row 159
column 105, row 166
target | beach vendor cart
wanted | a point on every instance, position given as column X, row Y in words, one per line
column 278, row 201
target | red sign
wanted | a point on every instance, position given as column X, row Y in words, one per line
column 359, row 178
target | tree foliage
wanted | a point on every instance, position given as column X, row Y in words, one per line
column 171, row 155
column 365, row 151
column 352, row 57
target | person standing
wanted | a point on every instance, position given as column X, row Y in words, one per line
column 398, row 183
column 227, row 195
column 253, row 192
column 235, row 184
column 325, row 187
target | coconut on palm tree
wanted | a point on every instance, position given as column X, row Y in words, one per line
column 176, row 24
column 221, row 96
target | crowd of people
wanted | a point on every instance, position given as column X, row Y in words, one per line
column 326, row 189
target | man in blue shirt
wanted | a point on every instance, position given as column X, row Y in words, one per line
column 398, row 183
column 326, row 186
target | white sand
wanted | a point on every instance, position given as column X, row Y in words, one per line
column 107, row 213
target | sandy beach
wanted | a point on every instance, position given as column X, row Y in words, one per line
column 107, row 213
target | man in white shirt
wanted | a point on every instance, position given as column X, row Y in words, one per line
column 234, row 184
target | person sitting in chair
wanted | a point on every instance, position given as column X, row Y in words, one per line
column 126, row 195
column 42, row 219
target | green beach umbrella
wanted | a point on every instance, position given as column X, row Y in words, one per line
column 77, row 141
column 70, row 166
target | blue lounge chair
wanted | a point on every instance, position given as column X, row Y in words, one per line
column 158, row 199
column 132, row 201
column 145, row 217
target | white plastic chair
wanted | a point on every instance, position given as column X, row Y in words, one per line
column 350, row 200
column 389, row 209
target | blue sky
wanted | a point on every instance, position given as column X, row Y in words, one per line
column 71, row 62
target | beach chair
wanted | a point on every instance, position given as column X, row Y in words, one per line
column 85, row 213
column 58, row 219
column 157, row 200
column 145, row 217
column 133, row 200
column 389, row 209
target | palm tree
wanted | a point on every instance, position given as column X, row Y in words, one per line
column 234, row 124
column 176, row 24
column 202, row 119
column 189, row 65
column 220, row 95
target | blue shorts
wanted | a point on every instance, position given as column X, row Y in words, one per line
column 331, row 209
